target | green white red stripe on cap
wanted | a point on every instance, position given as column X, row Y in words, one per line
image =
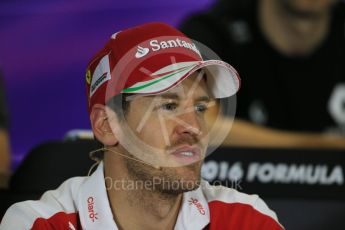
column 168, row 76
column 224, row 81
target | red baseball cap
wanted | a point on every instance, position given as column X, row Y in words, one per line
column 151, row 59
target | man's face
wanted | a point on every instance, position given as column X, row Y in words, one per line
column 308, row 8
column 170, row 128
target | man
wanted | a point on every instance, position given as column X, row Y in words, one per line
column 148, row 90
column 4, row 142
column 290, row 54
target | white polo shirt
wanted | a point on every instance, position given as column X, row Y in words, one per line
column 82, row 203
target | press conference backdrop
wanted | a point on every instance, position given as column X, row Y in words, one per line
column 305, row 187
column 304, row 173
column 45, row 46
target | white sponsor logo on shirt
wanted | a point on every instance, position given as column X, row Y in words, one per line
column 71, row 226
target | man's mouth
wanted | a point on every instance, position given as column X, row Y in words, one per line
column 186, row 154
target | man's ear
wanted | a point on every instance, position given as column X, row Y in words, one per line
column 100, row 117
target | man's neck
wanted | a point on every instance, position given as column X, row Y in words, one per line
column 291, row 34
column 139, row 208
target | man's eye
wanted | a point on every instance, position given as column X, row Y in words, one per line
column 201, row 108
column 169, row 106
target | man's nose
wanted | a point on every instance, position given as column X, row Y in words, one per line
column 188, row 123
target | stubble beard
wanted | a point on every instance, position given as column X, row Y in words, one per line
column 166, row 181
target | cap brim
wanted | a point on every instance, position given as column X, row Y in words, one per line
column 223, row 82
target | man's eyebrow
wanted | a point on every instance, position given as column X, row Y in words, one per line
column 165, row 96
column 177, row 97
column 203, row 98
column 170, row 96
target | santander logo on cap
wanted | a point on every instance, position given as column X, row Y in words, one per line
column 141, row 52
column 156, row 45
